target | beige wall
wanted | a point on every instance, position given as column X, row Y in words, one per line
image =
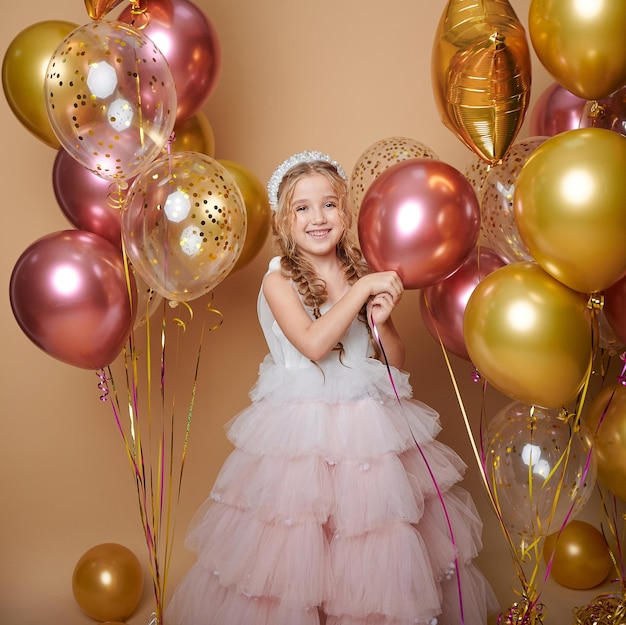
column 334, row 75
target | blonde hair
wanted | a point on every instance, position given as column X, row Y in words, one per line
column 311, row 287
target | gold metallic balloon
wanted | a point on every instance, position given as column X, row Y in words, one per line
column 529, row 335
column 580, row 556
column 24, row 72
column 194, row 135
column 107, row 582
column 97, row 9
column 581, row 44
column 606, row 419
column 570, row 210
column 481, row 71
column 258, row 211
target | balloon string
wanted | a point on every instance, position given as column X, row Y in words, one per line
column 428, row 467
column 481, row 461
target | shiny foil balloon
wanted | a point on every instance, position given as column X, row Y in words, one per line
column 529, row 335
column 443, row 304
column 481, row 72
column 497, row 221
column 569, row 207
column 606, row 420
column 23, row 75
column 421, row 218
column 86, row 199
column 258, row 212
column 194, row 135
column 70, row 296
column 581, row 44
column 579, row 555
column 109, row 98
column 377, row 158
column 189, row 42
column 184, row 225
column 107, row 582
column 540, row 468
column 97, row 9
column 556, row 110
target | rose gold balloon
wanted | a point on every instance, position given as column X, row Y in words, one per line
column 421, row 218
column 84, row 198
column 443, row 304
column 606, row 419
column 608, row 113
column 556, row 110
column 189, row 42
column 615, row 309
column 481, row 74
column 70, row 296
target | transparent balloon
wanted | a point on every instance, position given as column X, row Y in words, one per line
column 109, row 98
column 380, row 156
column 497, row 222
column 184, row 225
column 541, row 468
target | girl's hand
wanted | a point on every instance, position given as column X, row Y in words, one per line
column 379, row 309
column 384, row 282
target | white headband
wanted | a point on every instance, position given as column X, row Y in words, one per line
column 303, row 157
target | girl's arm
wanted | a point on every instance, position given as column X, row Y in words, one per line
column 314, row 338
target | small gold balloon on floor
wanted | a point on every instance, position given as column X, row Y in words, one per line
column 580, row 556
column 108, row 582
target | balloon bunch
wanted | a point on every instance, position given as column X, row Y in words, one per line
column 520, row 260
column 155, row 215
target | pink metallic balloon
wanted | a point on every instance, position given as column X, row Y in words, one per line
column 615, row 308
column 421, row 218
column 608, row 113
column 69, row 295
column 83, row 198
column 443, row 304
column 556, row 110
column 189, row 42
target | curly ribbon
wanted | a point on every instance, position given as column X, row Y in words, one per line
column 606, row 609
column 158, row 488
column 428, row 467
column 527, row 613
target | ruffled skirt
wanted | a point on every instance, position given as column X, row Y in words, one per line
column 339, row 508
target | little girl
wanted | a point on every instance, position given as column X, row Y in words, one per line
column 337, row 505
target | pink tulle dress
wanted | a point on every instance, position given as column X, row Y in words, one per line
column 335, row 504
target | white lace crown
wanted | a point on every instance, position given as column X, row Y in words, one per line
column 303, row 157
